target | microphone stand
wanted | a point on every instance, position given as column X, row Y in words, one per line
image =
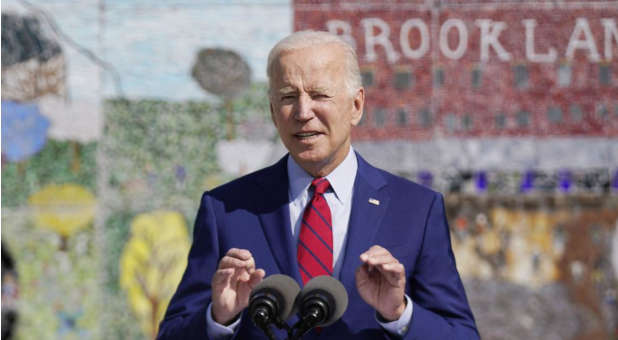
column 281, row 325
column 262, row 320
column 316, row 313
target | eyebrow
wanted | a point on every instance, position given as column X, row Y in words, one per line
column 319, row 89
column 286, row 90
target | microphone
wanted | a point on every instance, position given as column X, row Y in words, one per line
column 322, row 301
column 272, row 301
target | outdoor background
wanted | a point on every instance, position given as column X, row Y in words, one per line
column 118, row 114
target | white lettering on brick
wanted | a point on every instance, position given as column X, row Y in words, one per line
column 404, row 38
column 490, row 31
column 382, row 38
column 531, row 54
column 459, row 51
column 587, row 43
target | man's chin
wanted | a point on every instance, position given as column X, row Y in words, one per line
column 310, row 158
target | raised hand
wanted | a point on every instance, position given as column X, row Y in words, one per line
column 232, row 284
column 381, row 282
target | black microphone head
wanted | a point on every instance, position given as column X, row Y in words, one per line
column 325, row 287
column 283, row 288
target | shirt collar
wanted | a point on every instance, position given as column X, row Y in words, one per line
column 341, row 178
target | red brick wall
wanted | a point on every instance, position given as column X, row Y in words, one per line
column 497, row 105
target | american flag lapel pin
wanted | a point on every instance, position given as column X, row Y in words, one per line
column 374, row 201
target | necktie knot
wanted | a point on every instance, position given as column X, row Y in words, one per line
column 320, row 185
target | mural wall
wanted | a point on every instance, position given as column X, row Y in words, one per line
column 117, row 115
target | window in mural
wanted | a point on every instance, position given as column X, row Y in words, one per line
column 564, row 75
column 523, row 119
column 520, row 75
column 554, row 114
column 403, row 79
column 438, row 77
column 367, row 77
column 602, row 112
column 467, row 122
column 424, row 118
column 379, row 117
column 476, row 76
column 450, row 122
column 402, row 117
column 500, row 121
column 576, row 113
column 605, row 74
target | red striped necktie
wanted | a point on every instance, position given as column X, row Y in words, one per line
column 315, row 243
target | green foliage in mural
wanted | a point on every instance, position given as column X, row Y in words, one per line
column 52, row 165
column 163, row 154
column 159, row 155
column 153, row 155
column 59, row 296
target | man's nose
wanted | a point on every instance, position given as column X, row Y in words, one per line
column 304, row 108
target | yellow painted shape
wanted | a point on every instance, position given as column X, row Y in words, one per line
column 63, row 208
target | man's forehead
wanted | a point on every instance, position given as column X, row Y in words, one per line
column 313, row 68
column 317, row 57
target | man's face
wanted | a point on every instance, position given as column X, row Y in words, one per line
column 312, row 108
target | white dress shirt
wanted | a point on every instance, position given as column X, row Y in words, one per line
column 339, row 200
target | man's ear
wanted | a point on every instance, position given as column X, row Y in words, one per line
column 272, row 113
column 358, row 105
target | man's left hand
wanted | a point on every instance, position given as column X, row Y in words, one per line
column 381, row 282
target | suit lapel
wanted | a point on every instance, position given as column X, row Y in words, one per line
column 275, row 218
column 369, row 204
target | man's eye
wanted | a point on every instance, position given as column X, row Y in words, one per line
column 320, row 96
column 287, row 97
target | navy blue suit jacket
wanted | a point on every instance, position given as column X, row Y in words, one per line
column 252, row 213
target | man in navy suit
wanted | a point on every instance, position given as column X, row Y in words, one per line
column 390, row 243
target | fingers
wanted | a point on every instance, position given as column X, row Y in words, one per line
column 373, row 252
column 241, row 261
column 237, row 258
column 237, row 266
column 380, row 259
column 222, row 278
column 256, row 277
column 377, row 255
column 244, row 290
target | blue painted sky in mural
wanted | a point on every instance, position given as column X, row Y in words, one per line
column 152, row 44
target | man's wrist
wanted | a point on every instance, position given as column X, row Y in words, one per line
column 217, row 331
column 396, row 314
column 224, row 322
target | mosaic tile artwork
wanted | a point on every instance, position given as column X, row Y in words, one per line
column 117, row 115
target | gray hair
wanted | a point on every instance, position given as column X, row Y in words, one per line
column 302, row 39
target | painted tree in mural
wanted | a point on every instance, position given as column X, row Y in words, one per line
column 33, row 65
column 64, row 209
column 223, row 73
column 152, row 264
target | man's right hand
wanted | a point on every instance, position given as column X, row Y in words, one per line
column 232, row 284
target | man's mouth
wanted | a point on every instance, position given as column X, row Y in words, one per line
column 303, row 135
